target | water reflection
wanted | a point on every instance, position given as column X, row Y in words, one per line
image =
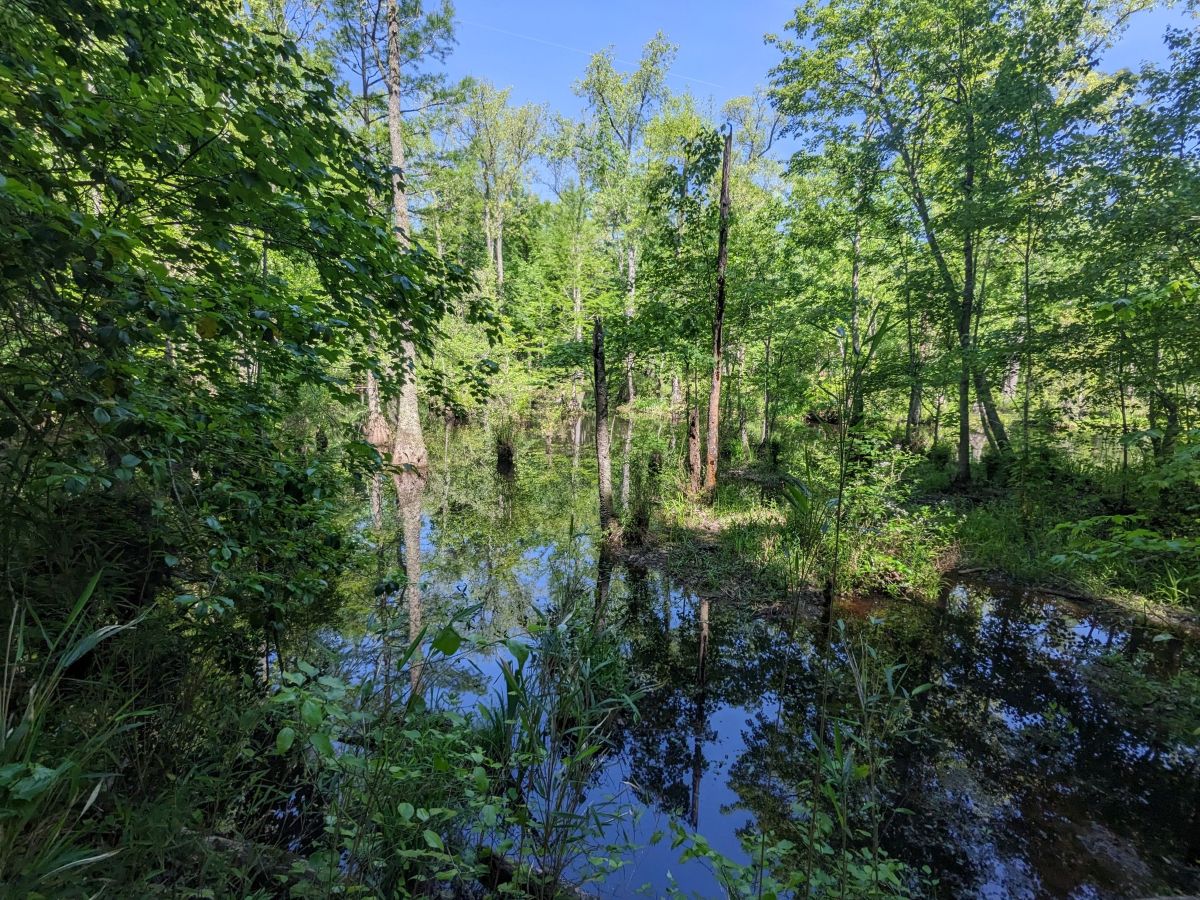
column 1041, row 763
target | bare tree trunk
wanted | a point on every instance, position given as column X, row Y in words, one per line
column 500, row 252
column 576, row 440
column 409, row 488
column 625, row 456
column 966, row 312
column 603, row 440
column 408, row 441
column 856, row 348
column 912, row 424
column 577, row 334
column 1012, row 378
column 631, row 264
column 379, row 436
column 693, row 450
column 714, row 397
column 983, row 392
column 700, row 718
column 743, row 436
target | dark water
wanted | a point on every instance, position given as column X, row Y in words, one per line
column 1053, row 756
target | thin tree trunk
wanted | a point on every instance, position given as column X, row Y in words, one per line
column 630, row 297
column 743, row 436
column 603, row 440
column 983, row 392
column 714, row 397
column 766, row 422
column 856, row 369
column 693, row 450
column 500, row 252
column 626, row 453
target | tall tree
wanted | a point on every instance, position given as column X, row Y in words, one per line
column 621, row 106
column 714, row 396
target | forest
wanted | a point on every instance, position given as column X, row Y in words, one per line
column 412, row 492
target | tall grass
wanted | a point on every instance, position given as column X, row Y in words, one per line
column 53, row 766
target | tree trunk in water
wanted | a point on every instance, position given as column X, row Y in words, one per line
column 409, row 488
column 714, row 396
column 408, row 441
column 700, row 719
column 603, row 440
column 693, row 450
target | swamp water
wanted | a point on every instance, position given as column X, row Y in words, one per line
column 1053, row 755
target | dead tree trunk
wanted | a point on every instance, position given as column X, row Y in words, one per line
column 714, row 396
column 693, row 450
column 603, row 439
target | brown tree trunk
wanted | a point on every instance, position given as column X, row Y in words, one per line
column 912, row 424
column 603, row 439
column 693, row 450
column 409, row 489
column 408, row 441
column 714, row 396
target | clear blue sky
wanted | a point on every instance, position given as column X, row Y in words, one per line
column 539, row 48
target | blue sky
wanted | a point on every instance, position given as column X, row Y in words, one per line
column 539, row 48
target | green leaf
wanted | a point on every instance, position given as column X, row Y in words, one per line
column 285, row 739
column 519, row 650
column 310, row 712
column 322, row 744
column 447, row 641
column 433, row 840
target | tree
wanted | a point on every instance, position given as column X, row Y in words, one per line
column 714, row 397
column 621, row 106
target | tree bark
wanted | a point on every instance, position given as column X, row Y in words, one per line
column 409, row 489
column 765, row 437
column 631, row 263
column 983, row 392
column 603, row 439
column 693, row 450
column 714, row 396
column 408, row 441
column 626, row 453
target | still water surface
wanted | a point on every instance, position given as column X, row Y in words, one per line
column 1043, row 762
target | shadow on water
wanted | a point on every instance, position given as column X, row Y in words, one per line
column 1053, row 756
